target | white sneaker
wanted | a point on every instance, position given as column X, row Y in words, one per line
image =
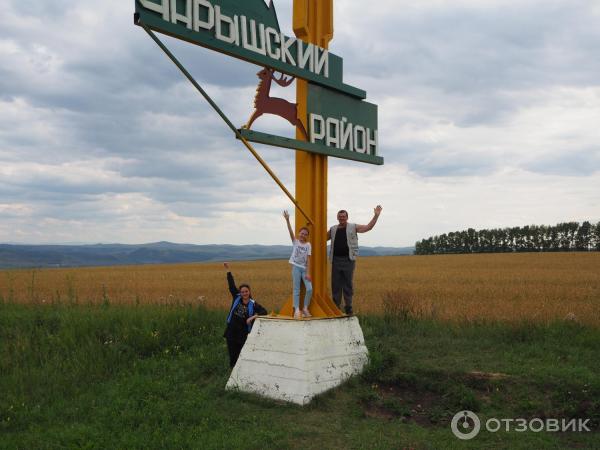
column 297, row 314
column 306, row 313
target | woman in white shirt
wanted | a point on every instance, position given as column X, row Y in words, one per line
column 300, row 261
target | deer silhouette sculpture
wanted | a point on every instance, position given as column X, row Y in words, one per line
column 265, row 104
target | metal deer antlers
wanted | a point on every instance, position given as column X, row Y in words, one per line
column 265, row 104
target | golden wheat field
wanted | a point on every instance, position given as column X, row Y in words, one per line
column 508, row 287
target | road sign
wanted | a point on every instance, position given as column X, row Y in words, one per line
column 331, row 118
column 245, row 29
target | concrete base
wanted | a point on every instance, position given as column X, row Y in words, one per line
column 294, row 360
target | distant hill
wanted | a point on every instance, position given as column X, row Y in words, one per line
column 22, row 256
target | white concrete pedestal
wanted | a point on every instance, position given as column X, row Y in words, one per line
column 294, row 360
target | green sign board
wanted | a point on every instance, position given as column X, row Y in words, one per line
column 342, row 122
column 339, row 122
column 248, row 30
column 338, row 125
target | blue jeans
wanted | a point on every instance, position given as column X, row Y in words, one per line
column 297, row 275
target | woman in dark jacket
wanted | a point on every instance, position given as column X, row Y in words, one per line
column 241, row 315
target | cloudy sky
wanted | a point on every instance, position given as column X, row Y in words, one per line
column 489, row 116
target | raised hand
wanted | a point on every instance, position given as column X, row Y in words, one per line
column 289, row 226
column 226, row 265
column 378, row 210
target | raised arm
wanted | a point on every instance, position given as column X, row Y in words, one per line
column 287, row 221
column 230, row 281
column 371, row 224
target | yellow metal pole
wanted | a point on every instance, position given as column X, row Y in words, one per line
column 313, row 22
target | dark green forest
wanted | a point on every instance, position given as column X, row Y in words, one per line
column 563, row 237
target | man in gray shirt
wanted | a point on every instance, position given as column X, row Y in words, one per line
column 342, row 254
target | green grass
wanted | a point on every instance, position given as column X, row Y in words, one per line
column 153, row 377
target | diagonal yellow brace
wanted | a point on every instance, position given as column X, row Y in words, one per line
column 223, row 116
column 270, row 172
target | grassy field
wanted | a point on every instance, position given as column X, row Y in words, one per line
column 536, row 287
column 153, row 377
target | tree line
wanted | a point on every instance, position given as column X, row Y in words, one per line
column 563, row 237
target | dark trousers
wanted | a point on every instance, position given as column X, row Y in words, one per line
column 342, row 272
column 234, row 347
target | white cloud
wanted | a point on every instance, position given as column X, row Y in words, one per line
column 488, row 116
column 416, row 207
